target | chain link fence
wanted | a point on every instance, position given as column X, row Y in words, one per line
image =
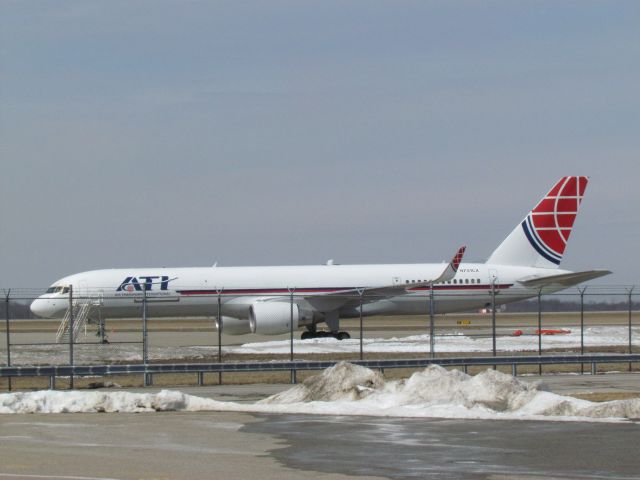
column 215, row 326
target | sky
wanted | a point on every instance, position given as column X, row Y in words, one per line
column 183, row 133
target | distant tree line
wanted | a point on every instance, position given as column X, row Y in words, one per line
column 556, row 305
column 17, row 310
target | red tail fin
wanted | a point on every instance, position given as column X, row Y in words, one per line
column 455, row 263
column 550, row 222
column 541, row 238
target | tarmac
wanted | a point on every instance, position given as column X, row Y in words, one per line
column 169, row 332
column 187, row 445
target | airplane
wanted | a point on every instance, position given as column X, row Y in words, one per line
column 272, row 300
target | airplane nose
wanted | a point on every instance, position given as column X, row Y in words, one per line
column 41, row 308
column 36, row 307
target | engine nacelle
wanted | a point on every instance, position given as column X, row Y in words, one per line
column 234, row 326
column 273, row 318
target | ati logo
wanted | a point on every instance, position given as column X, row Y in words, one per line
column 132, row 284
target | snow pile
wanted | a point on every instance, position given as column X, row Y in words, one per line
column 342, row 382
column 49, row 401
column 347, row 389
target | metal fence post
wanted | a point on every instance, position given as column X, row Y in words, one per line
column 432, row 323
column 293, row 372
column 101, row 323
column 540, row 329
column 219, row 291
column 145, row 352
column 6, row 318
column 630, row 292
column 493, row 317
column 360, row 292
column 582, row 290
column 71, row 334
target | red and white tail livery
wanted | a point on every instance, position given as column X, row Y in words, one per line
column 541, row 238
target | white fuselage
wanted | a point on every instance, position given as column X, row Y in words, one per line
column 179, row 292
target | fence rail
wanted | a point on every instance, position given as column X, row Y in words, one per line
column 273, row 366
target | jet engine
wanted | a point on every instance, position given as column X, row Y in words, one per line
column 274, row 318
column 234, row 326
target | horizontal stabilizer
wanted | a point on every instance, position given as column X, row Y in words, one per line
column 562, row 280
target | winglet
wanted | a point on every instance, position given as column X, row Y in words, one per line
column 457, row 259
column 452, row 268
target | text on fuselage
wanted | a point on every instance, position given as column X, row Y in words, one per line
column 135, row 284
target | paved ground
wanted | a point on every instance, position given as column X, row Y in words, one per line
column 448, row 449
column 231, row 445
column 580, row 384
column 134, row 446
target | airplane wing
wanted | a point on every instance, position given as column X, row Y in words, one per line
column 563, row 280
column 447, row 273
column 344, row 298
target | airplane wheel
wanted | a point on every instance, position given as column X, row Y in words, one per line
column 343, row 336
column 307, row 335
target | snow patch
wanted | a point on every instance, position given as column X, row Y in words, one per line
column 459, row 342
column 347, row 389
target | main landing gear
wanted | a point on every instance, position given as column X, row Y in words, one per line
column 308, row 335
column 333, row 322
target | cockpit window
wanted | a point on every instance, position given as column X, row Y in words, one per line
column 56, row 289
